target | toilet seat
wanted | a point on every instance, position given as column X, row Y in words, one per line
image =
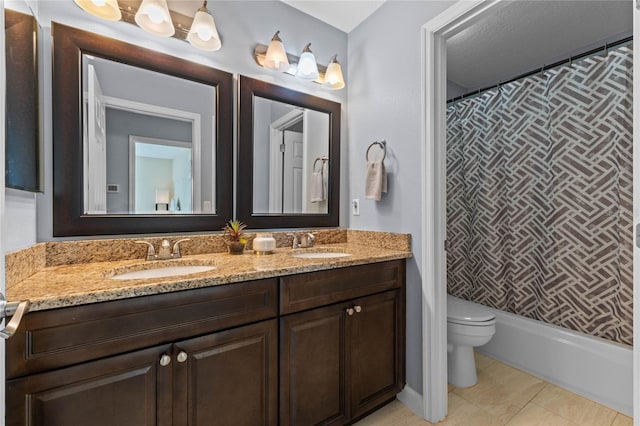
column 468, row 313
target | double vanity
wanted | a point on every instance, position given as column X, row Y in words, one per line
column 256, row 340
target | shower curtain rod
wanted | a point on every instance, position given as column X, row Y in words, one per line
column 545, row 67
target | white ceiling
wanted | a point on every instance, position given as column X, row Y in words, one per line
column 342, row 14
column 525, row 35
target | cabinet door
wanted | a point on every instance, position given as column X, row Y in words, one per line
column 312, row 367
column 127, row 390
column 375, row 333
column 228, row 378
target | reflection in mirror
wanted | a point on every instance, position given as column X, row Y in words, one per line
column 125, row 105
column 142, row 141
column 290, row 157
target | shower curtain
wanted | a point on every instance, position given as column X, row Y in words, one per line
column 539, row 196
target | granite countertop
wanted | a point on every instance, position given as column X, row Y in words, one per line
column 70, row 285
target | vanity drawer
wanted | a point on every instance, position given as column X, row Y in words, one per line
column 61, row 337
column 314, row 289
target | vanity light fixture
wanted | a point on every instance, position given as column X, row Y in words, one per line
column 307, row 67
column 153, row 17
column 303, row 67
column 203, row 33
column 333, row 77
column 276, row 57
column 105, row 9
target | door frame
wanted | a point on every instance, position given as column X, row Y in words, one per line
column 636, row 213
column 433, row 154
column 434, row 75
column 2, row 204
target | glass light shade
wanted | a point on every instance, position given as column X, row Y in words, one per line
column 333, row 76
column 203, row 33
column 153, row 17
column 105, row 9
column 276, row 57
column 307, row 67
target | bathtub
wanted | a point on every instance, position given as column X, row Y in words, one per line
column 589, row 366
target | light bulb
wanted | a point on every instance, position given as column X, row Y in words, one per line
column 276, row 56
column 155, row 14
column 203, row 33
column 99, row 3
column 307, row 67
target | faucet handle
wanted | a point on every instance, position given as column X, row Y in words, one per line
column 151, row 252
column 296, row 243
column 310, row 239
column 176, row 248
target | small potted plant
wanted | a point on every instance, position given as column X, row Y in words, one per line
column 233, row 234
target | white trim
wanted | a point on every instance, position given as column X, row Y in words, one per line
column 173, row 114
column 412, row 400
column 636, row 212
column 434, row 76
column 195, row 185
column 276, row 129
column 3, row 223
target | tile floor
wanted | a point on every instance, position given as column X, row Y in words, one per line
column 507, row 396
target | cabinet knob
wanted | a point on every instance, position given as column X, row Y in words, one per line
column 182, row 356
column 350, row 311
column 358, row 308
column 165, row 360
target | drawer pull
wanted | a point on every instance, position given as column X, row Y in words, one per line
column 165, row 360
column 358, row 308
column 17, row 310
column 182, row 356
column 350, row 311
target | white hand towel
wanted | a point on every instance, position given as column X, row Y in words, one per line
column 318, row 192
column 376, row 182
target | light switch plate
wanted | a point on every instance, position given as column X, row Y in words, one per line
column 355, row 207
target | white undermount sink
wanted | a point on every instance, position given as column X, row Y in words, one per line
column 159, row 269
column 319, row 253
column 168, row 271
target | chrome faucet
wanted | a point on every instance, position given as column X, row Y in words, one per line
column 295, row 244
column 307, row 240
column 164, row 252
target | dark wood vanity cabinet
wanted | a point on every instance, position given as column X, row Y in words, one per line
column 331, row 351
column 341, row 361
column 92, row 364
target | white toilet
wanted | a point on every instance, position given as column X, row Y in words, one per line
column 468, row 325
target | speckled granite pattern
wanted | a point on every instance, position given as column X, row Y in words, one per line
column 21, row 264
column 78, row 284
column 386, row 240
column 91, row 251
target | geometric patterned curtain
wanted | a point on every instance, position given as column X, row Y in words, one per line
column 539, row 196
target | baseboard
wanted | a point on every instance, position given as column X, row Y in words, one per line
column 412, row 400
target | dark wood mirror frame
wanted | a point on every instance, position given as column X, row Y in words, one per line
column 23, row 143
column 68, row 209
column 248, row 89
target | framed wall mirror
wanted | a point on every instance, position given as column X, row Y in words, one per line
column 288, row 157
column 142, row 140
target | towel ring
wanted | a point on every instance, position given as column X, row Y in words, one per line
column 382, row 144
column 322, row 159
